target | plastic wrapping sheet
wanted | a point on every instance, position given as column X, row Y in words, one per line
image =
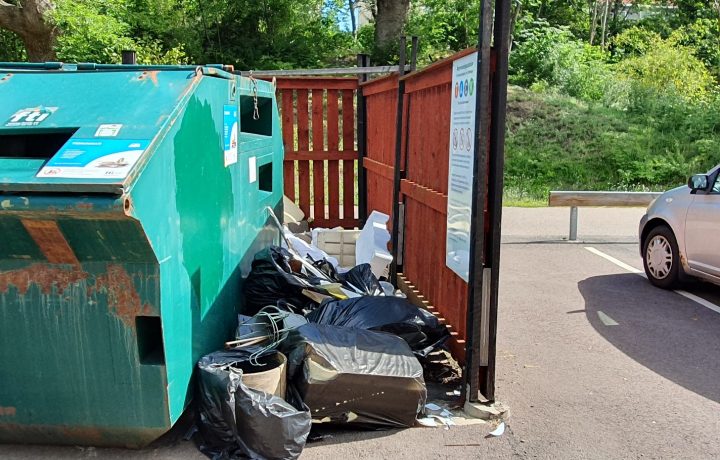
column 355, row 377
column 418, row 327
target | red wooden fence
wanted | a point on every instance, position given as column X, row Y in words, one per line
column 318, row 119
column 318, row 124
column 381, row 97
column 425, row 151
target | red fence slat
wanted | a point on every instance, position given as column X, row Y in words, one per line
column 348, row 114
column 318, row 136
column 303, row 130
column 333, row 141
column 288, row 127
column 298, row 114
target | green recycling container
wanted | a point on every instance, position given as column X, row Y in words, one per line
column 132, row 200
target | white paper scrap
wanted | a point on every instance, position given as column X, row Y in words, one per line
column 499, row 430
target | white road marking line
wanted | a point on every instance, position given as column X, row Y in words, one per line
column 612, row 259
column 699, row 300
column 606, row 320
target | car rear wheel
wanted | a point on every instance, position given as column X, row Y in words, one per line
column 661, row 258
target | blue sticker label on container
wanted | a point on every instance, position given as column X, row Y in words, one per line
column 230, row 134
column 95, row 159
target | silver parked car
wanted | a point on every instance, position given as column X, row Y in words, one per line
column 680, row 233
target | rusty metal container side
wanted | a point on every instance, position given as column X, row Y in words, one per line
column 111, row 289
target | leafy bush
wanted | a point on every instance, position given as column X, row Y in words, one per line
column 703, row 37
column 668, row 67
column 634, row 41
column 552, row 57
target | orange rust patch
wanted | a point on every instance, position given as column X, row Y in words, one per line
column 123, row 299
column 85, row 206
column 161, row 119
column 51, row 241
column 7, row 411
column 152, row 74
column 43, row 276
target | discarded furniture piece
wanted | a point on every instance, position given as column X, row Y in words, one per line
column 598, row 199
column 131, row 199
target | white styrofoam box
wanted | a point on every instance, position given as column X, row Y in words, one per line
column 338, row 243
column 372, row 244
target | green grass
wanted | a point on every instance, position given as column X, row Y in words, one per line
column 557, row 142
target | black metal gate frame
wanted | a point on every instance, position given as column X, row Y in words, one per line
column 480, row 347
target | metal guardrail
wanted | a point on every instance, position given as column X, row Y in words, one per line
column 323, row 72
column 598, row 199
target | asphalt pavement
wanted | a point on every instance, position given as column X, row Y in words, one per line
column 593, row 361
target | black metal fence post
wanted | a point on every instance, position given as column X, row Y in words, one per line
column 363, row 60
column 495, row 185
column 473, row 351
column 128, row 57
column 396, row 250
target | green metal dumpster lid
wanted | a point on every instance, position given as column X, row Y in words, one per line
column 86, row 127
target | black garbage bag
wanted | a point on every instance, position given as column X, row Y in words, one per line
column 272, row 279
column 363, row 279
column 235, row 421
column 359, row 279
column 418, row 327
column 354, row 377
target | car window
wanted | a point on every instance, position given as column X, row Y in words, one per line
column 716, row 186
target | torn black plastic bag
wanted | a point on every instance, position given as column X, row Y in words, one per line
column 418, row 327
column 359, row 279
column 272, row 279
column 239, row 422
column 354, row 377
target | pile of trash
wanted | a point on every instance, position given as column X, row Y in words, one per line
column 316, row 343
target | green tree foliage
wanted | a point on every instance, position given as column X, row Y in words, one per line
column 11, row 48
column 246, row 33
column 97, row 31
column 444, row 26
column 273, row 34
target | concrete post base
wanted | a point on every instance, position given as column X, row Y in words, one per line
column 486, row 411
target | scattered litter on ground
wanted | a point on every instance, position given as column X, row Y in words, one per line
column 439, row 366
column 498, row 431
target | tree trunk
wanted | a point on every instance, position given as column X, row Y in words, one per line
column 27, row 18
column 593, row 22
column 516, row 10
column 615, row 19
column 604, row 22
column 389, row 22
column 353, row 23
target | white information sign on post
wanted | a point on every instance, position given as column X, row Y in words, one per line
column 462, row 165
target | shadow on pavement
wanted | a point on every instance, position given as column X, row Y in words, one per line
column 670, row 335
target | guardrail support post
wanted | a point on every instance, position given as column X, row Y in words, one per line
column 573, row 223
